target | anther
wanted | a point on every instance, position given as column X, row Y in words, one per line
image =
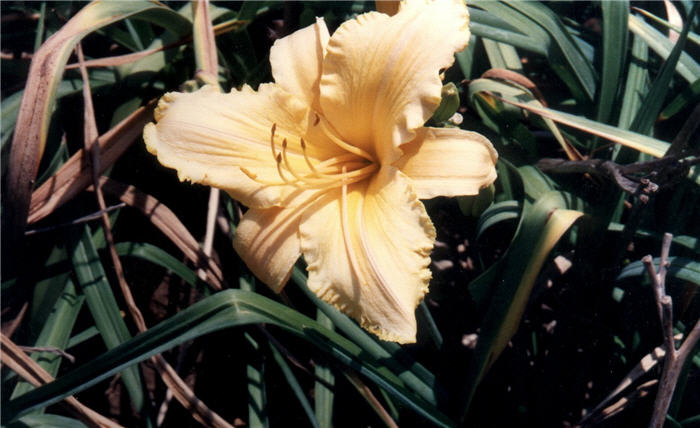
column 272, row 140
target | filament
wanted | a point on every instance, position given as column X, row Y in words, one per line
column 327, row 174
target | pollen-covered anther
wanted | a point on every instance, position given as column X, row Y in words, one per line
column 336, row 171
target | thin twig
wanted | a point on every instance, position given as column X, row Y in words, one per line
column 16, row 360
column 180, row 390
column 49, row 349
column 208, row 72
column 84, row 219
column 91, row 147
column 674, row 359
column 9, row 331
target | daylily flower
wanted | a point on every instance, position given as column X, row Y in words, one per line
column 332, row 159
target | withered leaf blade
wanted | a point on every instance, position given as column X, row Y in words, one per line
column 39, row 98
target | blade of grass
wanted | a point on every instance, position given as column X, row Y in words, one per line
column 367, row 394
column 158, row 257
column 636, row 84
column 17, row 361
column 257, row 392
column 680, row 268
column 578, row 64
column 540, row 229
column 537, row 21
column 654, row 100
column 102, row 304
column 614, row 55
column 294, row 385
column 424, row 386
column 48, row 420
column 323, row 392
column 490, row 26
column 55, row 333
column 39, row 39
column 642, row 143
column 690, row 95
column 164, row 219
column 513, row 84
column 11, row 103
column 693, row 37
column 686, row 66
column 427, row 320
column 225, row 309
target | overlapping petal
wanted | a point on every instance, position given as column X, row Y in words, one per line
column 380, row 79
column 368, row 253
column 208, row 136
column 268, row 242
column 448, row 162
column 296, row 61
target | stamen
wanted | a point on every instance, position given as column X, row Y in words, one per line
column 255, row 178
column 346, row 228
column 272, row 141
column 306, row 157
column 324, row 175
column 278, row 159
column 286, row 162
column 343, row 145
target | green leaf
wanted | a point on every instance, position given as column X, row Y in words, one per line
column 512, row 279
column 497, row 213
column 541, row 24
column 636, row 84
column 654, row 100
column 690, row 95
column 225, row 309
column 688, row 68
column 636, row 141
column 294, row 384
column 159, row 257
column 102, row 304
column 46, row 421
column 614, row 52
column 55, row 333
column 490, row 26
column 577, row 63
column 325, row 381
column 694, row 37
column 257, row 391
column 680, row 268
column 410, row 372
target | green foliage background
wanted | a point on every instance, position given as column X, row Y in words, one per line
column 562, row 308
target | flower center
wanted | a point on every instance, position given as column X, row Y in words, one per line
column 336, row 171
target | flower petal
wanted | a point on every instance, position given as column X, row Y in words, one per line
column 296, row 61
column 448, row 162
column 208, row 136
column 381, row 74
column 369, row 255
column 268, row 242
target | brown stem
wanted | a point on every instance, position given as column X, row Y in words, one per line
column 674, row 360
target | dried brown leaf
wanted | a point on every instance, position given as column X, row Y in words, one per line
column 74, row 176
column 19, row 362
column 164, row 219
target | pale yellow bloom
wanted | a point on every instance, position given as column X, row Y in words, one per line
column 332, row 158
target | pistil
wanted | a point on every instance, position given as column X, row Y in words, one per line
column 327, row 174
